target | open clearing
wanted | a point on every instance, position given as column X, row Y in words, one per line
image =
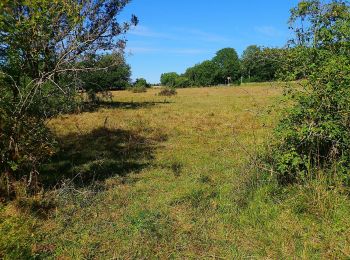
column 158, row 177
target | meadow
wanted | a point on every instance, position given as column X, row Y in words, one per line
column 147, row 177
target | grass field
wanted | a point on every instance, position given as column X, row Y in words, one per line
column 147, row 177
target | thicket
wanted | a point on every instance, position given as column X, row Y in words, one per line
column 262, row 64
column 314, row 134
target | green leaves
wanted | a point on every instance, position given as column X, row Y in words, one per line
column 228, row 64
column 315, row 132
column 42, row 45
column 224, row 68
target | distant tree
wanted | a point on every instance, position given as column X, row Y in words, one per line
column 182, row 82
column 140, row 85
column 270, row 61
column 141, row 82
column 262, row 64
column 250, row 65
column 110, row 73
column 169, row 79
column 228, row 64
column 206, row 73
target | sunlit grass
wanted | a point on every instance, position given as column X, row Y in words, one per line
column 171, row 177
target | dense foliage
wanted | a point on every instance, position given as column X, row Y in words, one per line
column 224, row 68
column 169, row 79
column 41, row 46
column 140, row 85
column 256, row 64
column 110, row 72
column 315, row 133
column 204, row 74
column 262, row 64
column 228, row 65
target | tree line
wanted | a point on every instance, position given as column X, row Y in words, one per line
column 257, row 64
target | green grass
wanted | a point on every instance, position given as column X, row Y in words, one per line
column 171, row 177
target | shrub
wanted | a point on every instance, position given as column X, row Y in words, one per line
column 167, row 91
column 141, row 83
column 23, row 146
column 140, row 86
column 169, row 79
column 314, row 135
column 315, row 131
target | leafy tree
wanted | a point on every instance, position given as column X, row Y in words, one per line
column 110, row 73
column 250, row 66
column 262, row 64
column 315, row 134
column 270, row 60
column 41, row 43
column 169, row 79
column 296, row 63
column 228, row 64
column 182, row 82
column 206, row 73
column 141, row 83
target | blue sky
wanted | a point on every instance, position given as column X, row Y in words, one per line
column 175, row 34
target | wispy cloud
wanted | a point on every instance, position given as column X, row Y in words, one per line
column 269, row 31
column 188, row 51
column 145, row 31
column 177, row 33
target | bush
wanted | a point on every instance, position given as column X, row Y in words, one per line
column 23, row 146
column 140, row 86
column 167, row 91
column 315, row 133
column 141, row 83
column 169, row 79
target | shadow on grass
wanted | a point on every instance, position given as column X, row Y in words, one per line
column 103, row 153
column 90, row 107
